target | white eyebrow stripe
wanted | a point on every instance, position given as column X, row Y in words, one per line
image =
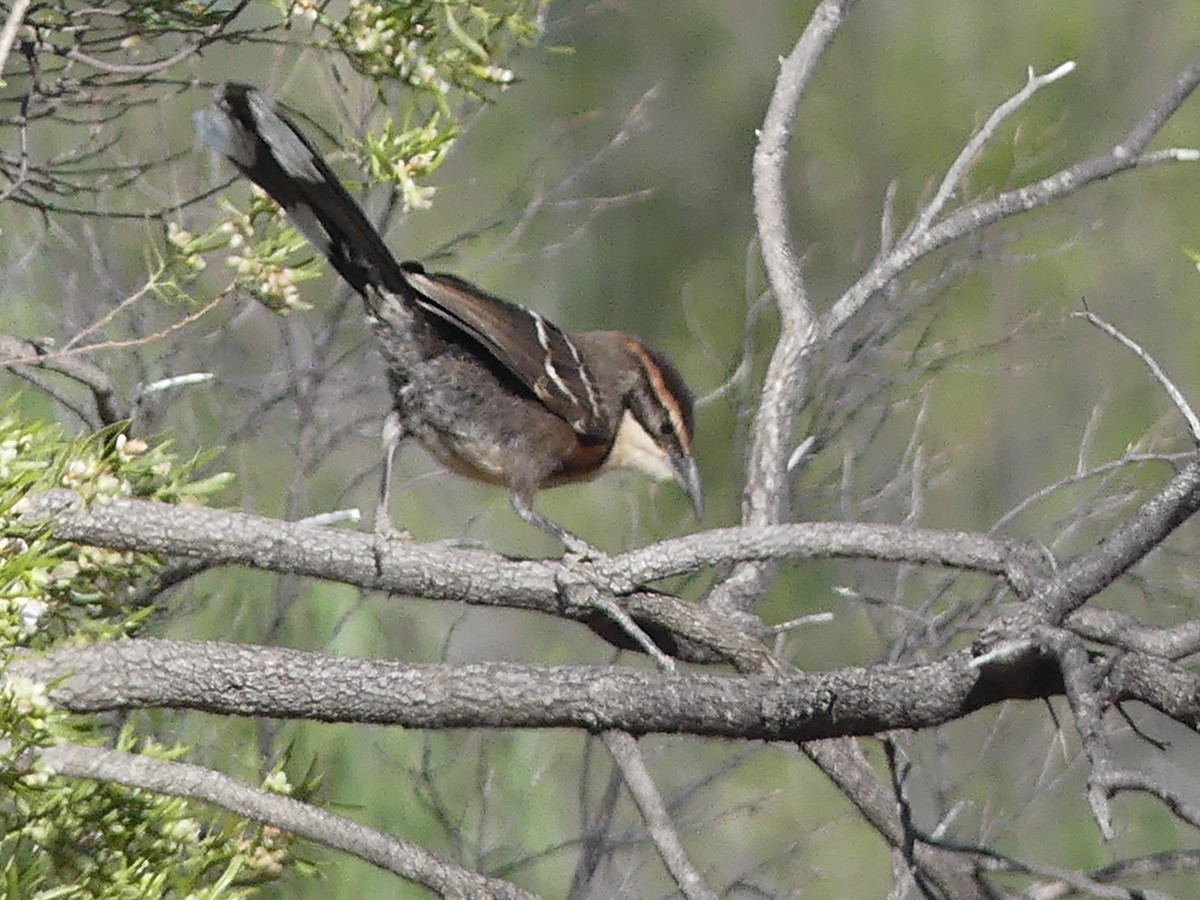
column 659, row 385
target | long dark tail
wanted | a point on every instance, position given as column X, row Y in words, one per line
column 245, row 127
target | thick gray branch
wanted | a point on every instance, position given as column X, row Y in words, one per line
column 766, row 496
column 219, row 537
column 245, row 680
column 237, row 679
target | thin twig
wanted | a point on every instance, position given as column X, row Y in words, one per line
column 970, row 152
column 972, row 219
column 610, row 608
column 66, row 352
column 1160, row 376
column 134, row 68
column 22, row 123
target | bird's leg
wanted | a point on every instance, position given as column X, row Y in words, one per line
column 393, row 435
column 577, row 547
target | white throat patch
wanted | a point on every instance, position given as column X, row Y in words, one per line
column 634, row 448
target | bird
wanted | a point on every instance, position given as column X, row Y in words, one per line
column 492, row 389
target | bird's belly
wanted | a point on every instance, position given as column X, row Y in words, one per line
column 481, row 427
column 479, row 460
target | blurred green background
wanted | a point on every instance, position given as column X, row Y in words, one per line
column 610, row 187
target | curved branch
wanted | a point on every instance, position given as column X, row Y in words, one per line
column 135, row 68
column 16, row 351
column 219, row 537
column 1123, row 631
column 1019, row 564
column 225, row 537
column 1169, row 687
column 177, row 779
column 765, row 499
column 1126, row 154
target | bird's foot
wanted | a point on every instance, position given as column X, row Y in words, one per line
column 579, row 550
column 386, row 533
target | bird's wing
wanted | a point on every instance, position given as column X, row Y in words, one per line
column 539, row 353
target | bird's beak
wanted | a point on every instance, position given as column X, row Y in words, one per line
column 687, row 473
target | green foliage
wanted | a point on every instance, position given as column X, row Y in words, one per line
column 434, row 47
column 155, row 17
column 259, row 246
column 59, row 23
column 49, row 589
column 443, row 53
column 69, row 838
column 400, row 156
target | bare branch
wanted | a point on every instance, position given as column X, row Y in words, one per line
column 1068, row 883
column 970, row 152
column 1019, row 564
column 845, row 764
column 1111, row 780
column 625, row 752
column 1171, row 154
column 1126, row 632
column 1081, row 683
column 135, row 68
column 47, row 356
column 1089, row 574
column 1160, row 376
column 436, row 572
column 221, row 678
column 9, row 34
column 15, row 351
column 582, row 593
column 1123, row 156
column 409, row 569
column 765, row 500
column 1167, row 686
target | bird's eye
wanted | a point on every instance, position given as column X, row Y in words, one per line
column 665, row 428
